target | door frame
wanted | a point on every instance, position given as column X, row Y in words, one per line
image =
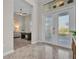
column 70, row 10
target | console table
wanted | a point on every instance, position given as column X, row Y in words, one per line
column 23, row 36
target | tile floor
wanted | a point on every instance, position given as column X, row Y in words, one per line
column 19, row 43
column 41, row 51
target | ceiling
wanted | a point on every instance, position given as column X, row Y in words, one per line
column 26, row 7
column 45, row 1
column 22, row 4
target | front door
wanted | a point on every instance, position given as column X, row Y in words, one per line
column 57, row 26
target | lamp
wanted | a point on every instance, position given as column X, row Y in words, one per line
column 16, row 28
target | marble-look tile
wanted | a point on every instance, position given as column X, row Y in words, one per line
column 19, row 43
column 41, row 51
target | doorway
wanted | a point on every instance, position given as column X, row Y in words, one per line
column 22, row 23
column 22, row 31
column 57, row 26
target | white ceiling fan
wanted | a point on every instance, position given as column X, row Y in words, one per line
column 21, row 13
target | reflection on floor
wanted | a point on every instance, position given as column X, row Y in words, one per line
column 64, row 41
column 18, row 43
column 41, row 51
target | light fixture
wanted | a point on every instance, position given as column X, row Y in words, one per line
column 17, row 28
column 60, row 3
column 21, row 13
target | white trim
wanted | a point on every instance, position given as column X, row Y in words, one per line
column 32, row 2
column 57, row 10
column 54, row 43
column 34, row 42
column 9, row 52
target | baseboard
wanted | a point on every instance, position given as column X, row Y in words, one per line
column 45, row 42
column 34, row 42
column 9, row 52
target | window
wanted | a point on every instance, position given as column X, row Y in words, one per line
column 63, row 24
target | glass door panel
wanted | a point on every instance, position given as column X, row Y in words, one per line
column 63, row 29
column 57, row 27
column 48, row 28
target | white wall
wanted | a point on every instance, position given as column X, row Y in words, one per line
column 44, row 1
column 32, row 2
column 73, row 19
column 19, row 20
column 23, row 22
column 35, row 18
column 7, row 26
column 27, row 23
column 26, row 7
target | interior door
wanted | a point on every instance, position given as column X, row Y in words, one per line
column 57, row 27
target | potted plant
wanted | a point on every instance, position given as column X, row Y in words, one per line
column 73, row 34
column 73, row 43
